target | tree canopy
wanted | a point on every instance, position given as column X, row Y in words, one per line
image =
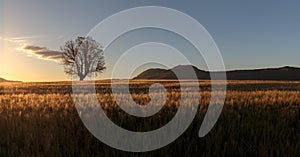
column 83, row 57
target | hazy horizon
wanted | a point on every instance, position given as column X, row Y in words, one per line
column 144, row 69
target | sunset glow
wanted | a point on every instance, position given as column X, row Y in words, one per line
column 31, row 34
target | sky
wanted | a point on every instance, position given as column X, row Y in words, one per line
column 249, row 34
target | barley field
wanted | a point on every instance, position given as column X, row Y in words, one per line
column 259, row 118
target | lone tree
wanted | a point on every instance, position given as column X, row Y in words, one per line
column 83, row 57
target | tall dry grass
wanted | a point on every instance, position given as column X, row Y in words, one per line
column 259, row 119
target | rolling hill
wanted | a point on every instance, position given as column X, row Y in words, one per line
column 4, row 80
column 282, row 73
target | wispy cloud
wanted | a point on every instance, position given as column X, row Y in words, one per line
column 20, row 39
column 42, row 52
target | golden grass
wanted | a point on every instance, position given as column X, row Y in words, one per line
column 260, row 118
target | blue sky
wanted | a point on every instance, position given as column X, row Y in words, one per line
column 249, row 34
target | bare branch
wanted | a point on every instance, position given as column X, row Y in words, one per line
column 82, row 57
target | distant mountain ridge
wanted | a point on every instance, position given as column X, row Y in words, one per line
column 4, row 80
column 282, row 73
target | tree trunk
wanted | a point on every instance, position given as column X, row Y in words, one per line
column 81, row 78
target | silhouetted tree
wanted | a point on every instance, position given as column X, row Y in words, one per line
column 83, row 57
